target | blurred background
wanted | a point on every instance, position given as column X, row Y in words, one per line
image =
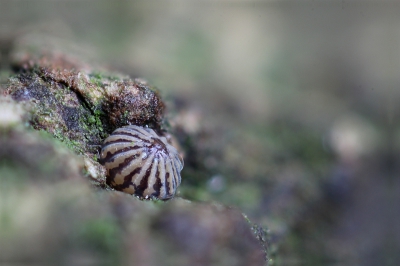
column 287, row 110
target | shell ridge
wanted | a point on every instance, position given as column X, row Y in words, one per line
column 168, row 178
column 157, row 183
column 152, row 178
column 144, row 134
column 113, row 158
column 162, row 166
column 118, row 169
column 144, row 181
column 132, row 137
column 174, row 176
column 145, row 165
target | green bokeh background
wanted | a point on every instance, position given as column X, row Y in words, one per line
column 300, row 99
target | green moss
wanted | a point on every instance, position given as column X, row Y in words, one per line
column 92, row 123
column 96, row 78
column 125, row 117
column 91, row 119
column 70, row 144
column 59, row 94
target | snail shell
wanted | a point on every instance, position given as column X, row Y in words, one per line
column 141, row 162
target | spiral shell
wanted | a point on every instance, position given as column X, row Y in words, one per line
column 141, row 162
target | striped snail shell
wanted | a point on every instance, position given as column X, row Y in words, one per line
column 141, row 162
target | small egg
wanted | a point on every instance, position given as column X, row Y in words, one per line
column 141, row 162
